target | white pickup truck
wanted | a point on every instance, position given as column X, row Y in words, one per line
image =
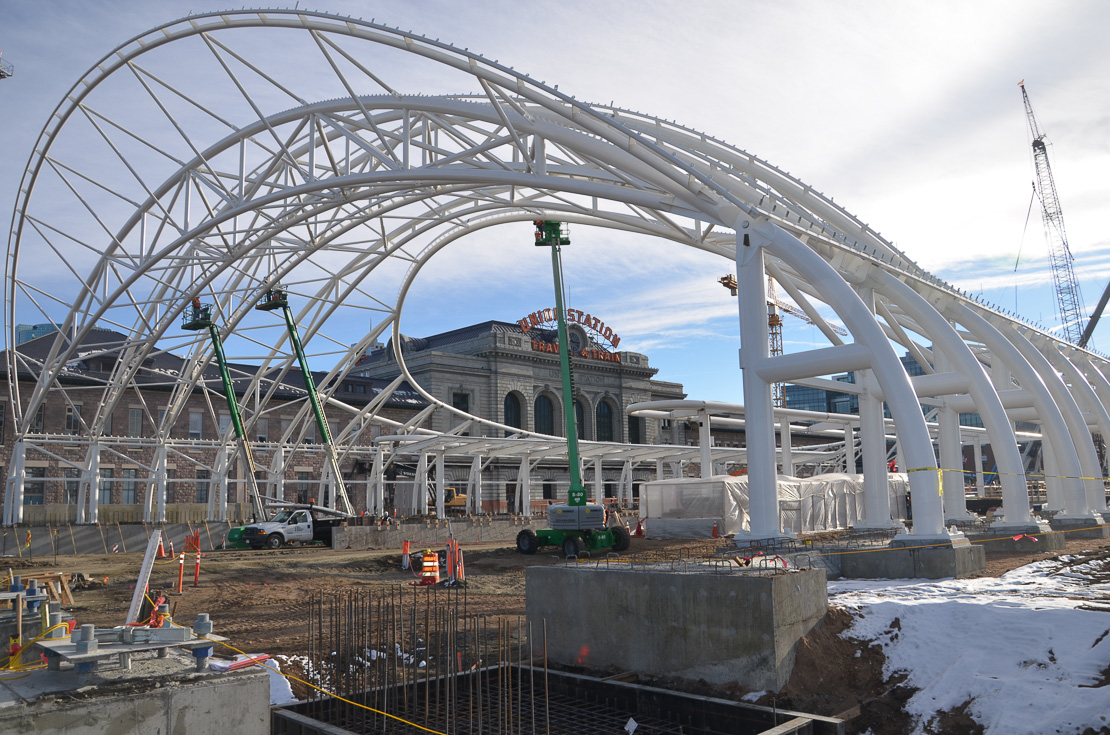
column 297, row 524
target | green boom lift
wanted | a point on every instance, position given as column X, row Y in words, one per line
column 198, row 316
column 275, row 299
column 576, row 524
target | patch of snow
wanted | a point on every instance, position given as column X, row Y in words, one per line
column 1015, row 646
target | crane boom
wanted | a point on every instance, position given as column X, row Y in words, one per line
column 1069, row 301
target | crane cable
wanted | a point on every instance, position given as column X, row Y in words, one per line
column 1028, row 216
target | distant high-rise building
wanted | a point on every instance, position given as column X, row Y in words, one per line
column 28, row 332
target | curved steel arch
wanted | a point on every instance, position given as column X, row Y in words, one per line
column 223, row 189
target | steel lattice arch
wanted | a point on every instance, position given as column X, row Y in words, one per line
column 281, row 155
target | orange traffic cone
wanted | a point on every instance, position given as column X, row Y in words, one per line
column 161, row 549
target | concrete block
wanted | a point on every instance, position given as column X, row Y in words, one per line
column 716, row 627
column 156, row 696
column 1017, row 540
column 1081, row 527
column 915, row 562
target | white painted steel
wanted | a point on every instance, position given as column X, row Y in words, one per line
column 152, row 185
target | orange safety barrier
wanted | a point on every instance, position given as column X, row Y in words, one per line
column 429, row 574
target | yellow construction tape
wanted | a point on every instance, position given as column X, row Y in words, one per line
column 996, row 473
column 324, row 691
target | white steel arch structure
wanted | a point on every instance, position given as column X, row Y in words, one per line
column 281, row 153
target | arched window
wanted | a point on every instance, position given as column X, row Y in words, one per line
column 512, row 411
column 604, row 422
column 545, row 415
column 579, row 419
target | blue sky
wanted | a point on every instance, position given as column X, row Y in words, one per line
column 908, row 114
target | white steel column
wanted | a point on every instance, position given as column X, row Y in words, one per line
column 375, row 488
column 1061, row 490
column 90, row 486
column 872, row 432
column 951, row 464
column 1093, row 492
column 625, row 494
column 13, row 497
column 523, row 485
column 787, row 447
column 159, row 490
column 418, row 498
column 599, row 486
column 980, row 484
column 441, row 486
column 277, row 472
column 705, row 443
column 217, row 489
column 474, row 486
column 759, row 416
column 849, row 448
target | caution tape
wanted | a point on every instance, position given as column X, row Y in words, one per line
column 996, row 473
column 323, row 691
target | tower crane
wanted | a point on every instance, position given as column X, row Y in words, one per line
column 774, row 326
column 1069, row 300
column 6, row 69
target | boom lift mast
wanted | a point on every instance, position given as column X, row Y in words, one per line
column 276, row 299
column 198, row 316
column 1068, row 298
column 577, row 524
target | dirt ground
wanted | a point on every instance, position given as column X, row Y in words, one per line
column 259, row 600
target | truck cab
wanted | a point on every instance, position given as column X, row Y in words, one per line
column 292, row 525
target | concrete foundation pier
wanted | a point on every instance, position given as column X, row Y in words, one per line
column 1086, row 527
column 741, row 627
column 917, row 558
column 1019, row 539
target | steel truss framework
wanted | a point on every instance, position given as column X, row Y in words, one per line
column 281, row 154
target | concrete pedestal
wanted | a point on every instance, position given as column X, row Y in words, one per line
column 1081, row 527
column 910, row 558
column 1018, row 539
column 717, row 627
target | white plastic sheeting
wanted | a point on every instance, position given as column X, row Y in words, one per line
column 688, row 507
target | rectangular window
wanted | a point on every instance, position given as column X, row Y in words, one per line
column 104, row 491
column 129, row 483
column 635, row 430
column 73, row 420
column 72, row 485
column 37, row 423
column 262, row 429
column 135, row 422
column 3, row 419
column 461, row 401
column 310, row 433
column 202, row 486
column 196, row 422
column 107, row 431
column 549, row 491
column 34, row 486
column 304, row 488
